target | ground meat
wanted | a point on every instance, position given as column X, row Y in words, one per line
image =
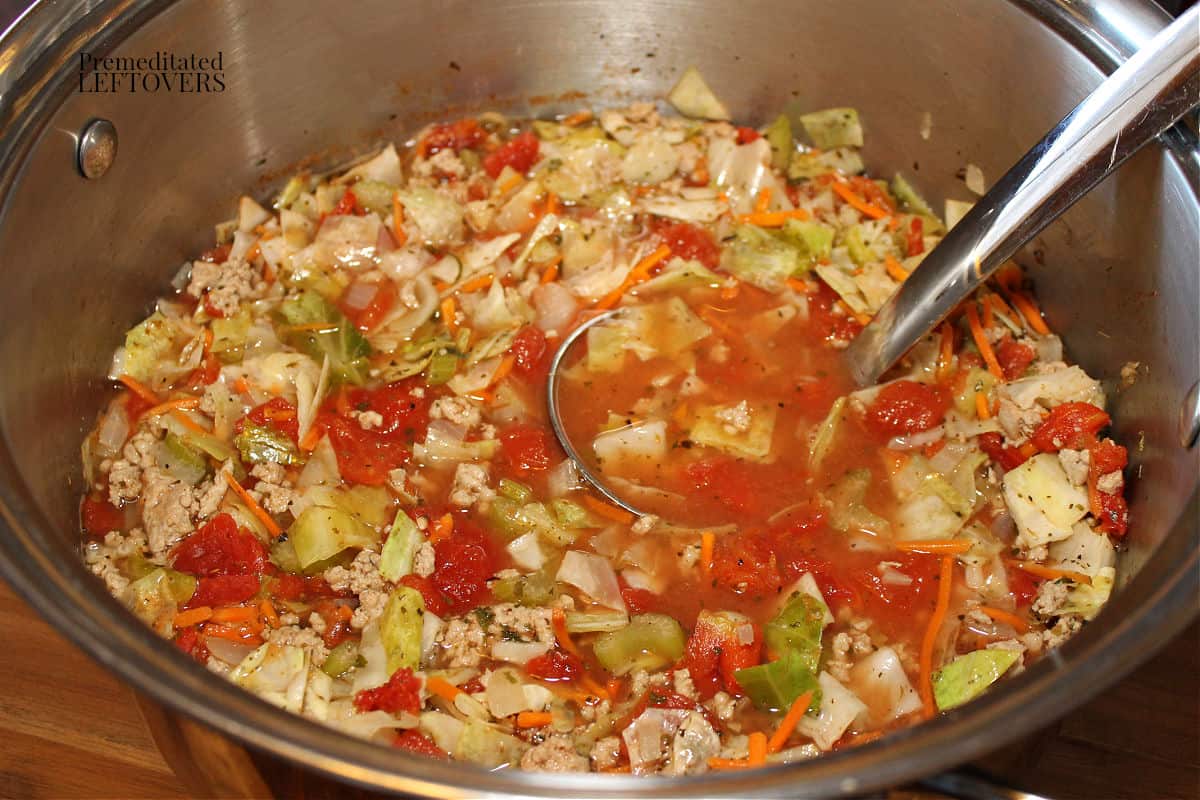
column 645, row 523
column 688, row 556
column 168, row 507
column 424, row 560
column 556, row 754
column 1075, row 464
column 723, row 705
column 1017, row 423
column 371, row 603
column 470, row 485
column 317, row 623
column 695, row 742
column 305, row 638
column 360, row 576
column 845, row 644
column 606, row 753
column 102, row 557
column 1066, row 627
column 125, row 474
column 1051, row 596
column 529, row 624
column 641, row 680
column 272, row 491
column 368, row 420
column 225, row 286
column 457, row 410
column 684, row 685
column 1112, row 483
column 461, row 643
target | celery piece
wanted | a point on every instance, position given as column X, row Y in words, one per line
column 649, row 641
column 182, row 461
column 321, row 533
column 442, row 366
column 779, row 136
column 534, row 589
column 341, row 659
column 810, row 164
column 536, row 517
column 156, row 597
column 833, row 127
column 813, row 239
column 797, row 629
column 375, row 196
column 341, row 341
column 229, row 336
column 826, row 434
column 774, row 686
column 503, row 513
column 692, row 97
column 967, row 676
column 572, row 515
column 602, row 621
column 758, row 258
column 400, row 628
column 261, row 444
column 514, row 490
column 396, row 559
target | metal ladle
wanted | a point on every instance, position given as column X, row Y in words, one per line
column 1144, row 97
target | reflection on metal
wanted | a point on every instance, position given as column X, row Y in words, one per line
column 97, row 148
column 1189, row 417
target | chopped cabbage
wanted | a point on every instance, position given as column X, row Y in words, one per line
column 642, row 441
column 774, row 686
column 649, row 642
column 396, row 558
column 1043, row 501
column 1086, row 550
column 839, row 708
column 320, row 533
column 880, row 681
column 833, row 127
column 692, row 97
column 383, row 167
column 276, row 673
column 146, row 345
column 438, row 218
column 752, row 440
column 487, row 746
column 811, row 163
column 757, row 257
column 400, row 628
column 1070, row 384
column 594, row 576
column 651, row 159
column 156, row 597
column 967, row 676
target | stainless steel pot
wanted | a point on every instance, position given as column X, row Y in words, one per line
column 82, row 259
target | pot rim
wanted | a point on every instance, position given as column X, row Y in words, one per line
column 39, row 49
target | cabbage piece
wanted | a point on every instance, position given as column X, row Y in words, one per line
column 774, row 686
column 797, row 629
column 482, row 744
column 813, row 240
column 155, row 598
column 180, row 460
column 966, row 677
column 341, row 659
column 1086, row 550
column 826, row 434
column 321, row 468
column 911, row 201
column 839, row 708
column 842, row 282
column 757, row 257
column 692, row 97
column 500, row 309
column 702, row 210
column 400, row 628
column 384, row 167
column 534, row 589
column 593, row 575
column 1087, row 599
column 1043, row 501
column 320, row 533
column 833, row 127
column 371, row 505
column 779, row 136
column 1070, row 384
column 505, row 693
column 811, row 163
column 372, row 669
column 260, row 444
column 680, row 274
column 444, row 444
column 651, row 159
column 649, row 642
column 396, row 558
column 644, row 441
column 527, row 551
column 147, row 344
column 742, row 170
column 956, row 210
column 276, row 673
column 341, row 342
column 880, row 682
column 229, row 336
column 576, row 167
column 750, row 438
column 519, row 653
column 367, row 725
column 846, row 500
column 596, row 621
column 438, row 218
column 444, row 729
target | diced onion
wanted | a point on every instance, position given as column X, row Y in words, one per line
column 359, row 295
column 518, row 652
column 593, row 575
column 113, row 431
column 505, row 693
column 231, row 653
column 556, row 306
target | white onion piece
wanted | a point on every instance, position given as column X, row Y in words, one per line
column 915, row 440
column 564, row 479
column 113, row 431
column 518, row 652
column 431, row 626
column 505, row 693
column 556, row 306
column 880, row 682
column 594, row 576
column 231, row 653
column 526, row 551
column 359, row 295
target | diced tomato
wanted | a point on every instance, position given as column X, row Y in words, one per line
column 746, row 564
column 715, row 651
column 188, row 640
column 1014, row 357
column 219, row 548
column 889, row 602
column 992, row 443
column 1070, row 425
column 1111, row 510
column 747, row 135
column 416, row 742
column 527, row 448
column 915, row 237
column 367, row 457
column 639, row 601
column 435, row 603
column 218, row 254
column 464, row 562
column 520, row 153
column 289, row 587
column 455, row 136
column 531, row 353
column 347, row 205
column 368, row 317
column 212, row 310
column 205, row 374
column 99, row 516
column 872, row 192
column 276, row 413
column 1023, row 587
column 555, row 665
column 1114, row 513
column 134, row 405
column 689, row 242
column 223, row 590
column 402, row 692
column 828, row 325
column 906, row 407
column 726, row 480
column 1108, row 456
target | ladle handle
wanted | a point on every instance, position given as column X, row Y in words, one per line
column 1144, row 97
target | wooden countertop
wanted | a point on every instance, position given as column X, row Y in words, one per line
column 68, row 729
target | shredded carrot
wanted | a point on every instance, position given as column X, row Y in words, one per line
column 639, row 274
column 788, row 723
column 534, row 719
column 852, row 197
column 715, row 763
column 592, row 688
column 700, row 176
column 553, row 206
column 235, row 614
column 797, row 285
column 578, row 118
column 895, row 269
column 945, row 352
column 1051, row 573
column 180, row 403
column 998, row 305
column 502, row 369
column 938, row 546
column 860, row 738
column 607, row 510
column 1000, row 615
column 242, row 386
column 442, row 529
column 1030, row 312
column 254, row 507
column 442, row 688
column 550, row 273
column 985, row 347
column 773, row 219
column 254, row 252
column 193, row 616
column 982, row 410
column 448, row 312
column 731, row 291
column 989, row 318
column 511, row 182
column 1029, row 450
column 441, row 286
column 140, row 389
column 764, row 201
column 398, row 220
column 619, row 769
column 240, row 634
column 613, row 688
column 561, row 635
column 268, row 612
column 945, row 582
column 707, row 542
column 758, row 749
column 723, row 197
column 310, row 440
column 477, row 283
column 188, row 422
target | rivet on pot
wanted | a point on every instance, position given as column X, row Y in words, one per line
column 97, row 148
column 1189, row 417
